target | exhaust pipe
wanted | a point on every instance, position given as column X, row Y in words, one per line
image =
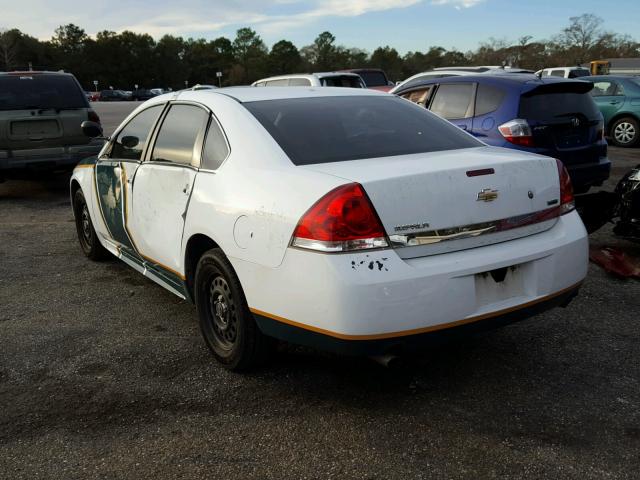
column 387, row 361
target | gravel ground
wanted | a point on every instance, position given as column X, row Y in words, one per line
column 103, row 374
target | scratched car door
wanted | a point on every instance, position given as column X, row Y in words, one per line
column 162, row 188
column 115, row 169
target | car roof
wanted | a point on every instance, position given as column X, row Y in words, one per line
column 511, row 79
column 308, row 75
column 253, row 94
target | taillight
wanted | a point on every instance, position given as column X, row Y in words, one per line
column 93, row 116
column 343, row 220
column 600, row 131
column 517, row 132
column 567, row 203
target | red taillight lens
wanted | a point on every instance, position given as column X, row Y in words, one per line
column 517, row 132
column 344, row 219
column 93, row 116
column 566, row 190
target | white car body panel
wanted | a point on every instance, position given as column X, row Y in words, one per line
column 252, row 203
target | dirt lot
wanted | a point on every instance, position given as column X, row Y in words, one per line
column 103, row 374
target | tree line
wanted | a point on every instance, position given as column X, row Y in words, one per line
column 122, row 60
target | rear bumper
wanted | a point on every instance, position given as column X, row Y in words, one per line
column 372, row 302
column 46, row 159
column 277, row 328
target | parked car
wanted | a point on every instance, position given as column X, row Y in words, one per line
column 618, row 98
column 327, row 79
column 346, row 219
column 548, row 116
column 40, row 117
column 374, row 78
column 443, row 72
column 564, row 72
column 112, row 96
column 200, row 87
column 142, row 94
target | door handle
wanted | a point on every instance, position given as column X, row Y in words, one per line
column 185, row 190
column 614, row 102
column 463, row 127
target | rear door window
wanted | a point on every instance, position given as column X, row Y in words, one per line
column 419, row 96
column 36, row 91
column 299, row 82
column 283, row 82
column 453, row 101
column 178, row 135
column 557, row 73
column 488, row 99
column 606, row 88
column 133, row 138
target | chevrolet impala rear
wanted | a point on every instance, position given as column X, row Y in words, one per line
column 424, row 232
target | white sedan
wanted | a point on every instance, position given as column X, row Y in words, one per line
column 346, row 219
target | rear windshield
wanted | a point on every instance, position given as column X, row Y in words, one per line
column 373, row 79
column 557, row 107
column 40, row 91
column 342, row 81
column 336, row 129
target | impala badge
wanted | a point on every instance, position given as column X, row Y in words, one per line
column 575, row 121
column 487, row 195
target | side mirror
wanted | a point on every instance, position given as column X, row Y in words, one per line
column 91, row 129
column 129, row 141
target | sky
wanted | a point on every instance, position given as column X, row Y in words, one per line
column 403, row 24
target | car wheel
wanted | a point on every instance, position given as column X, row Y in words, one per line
column 87, row 236
column 227, row 325
column 625, row 132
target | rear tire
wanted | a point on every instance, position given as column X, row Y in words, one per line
column 228, row 327
column 625, row 132
column 89, row 242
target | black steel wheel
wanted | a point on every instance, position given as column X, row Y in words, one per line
column 87, row 236
column 227, row 325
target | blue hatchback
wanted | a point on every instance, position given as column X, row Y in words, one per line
column 550, row 116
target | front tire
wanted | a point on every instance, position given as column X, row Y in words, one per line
column 228, row 327
column 625, row 132
column 87, row 236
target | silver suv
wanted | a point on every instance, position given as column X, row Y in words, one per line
column 40, row 118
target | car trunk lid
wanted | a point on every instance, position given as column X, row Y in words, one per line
column 445, row 201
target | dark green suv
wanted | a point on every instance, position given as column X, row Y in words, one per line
column 618, row 98
column 40, row 118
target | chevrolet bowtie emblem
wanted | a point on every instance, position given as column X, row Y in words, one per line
column 487, row 195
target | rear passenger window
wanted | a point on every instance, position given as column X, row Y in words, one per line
column 178, row 134
column 454, row 101
column 299, row 82
column 557, row 73
column 215, row 147
column 488, row 99
column 420, row 96
column 133, row 138
column 283, row 82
